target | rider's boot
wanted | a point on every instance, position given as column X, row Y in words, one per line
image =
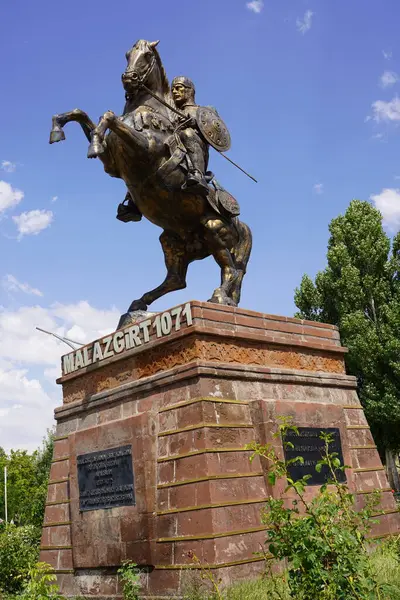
column 195, row 179
column 128, row 211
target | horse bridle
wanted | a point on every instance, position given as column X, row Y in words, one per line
column 140, row 80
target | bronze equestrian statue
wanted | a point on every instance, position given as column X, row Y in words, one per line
column 159, row 146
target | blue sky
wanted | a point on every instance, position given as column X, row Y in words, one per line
column 309, row 91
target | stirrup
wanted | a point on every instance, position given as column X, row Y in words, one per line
column 128, row 211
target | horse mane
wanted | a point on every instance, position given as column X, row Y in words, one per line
column 164, row 78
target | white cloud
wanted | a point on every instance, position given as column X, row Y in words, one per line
column 386, row 111
column 378, row 136
column 8, row 166
column 387, row 55
column 9, row 196
column 26, row 410
column 255, row 5
column 388, row 78
column 33, row 222
column 11, row 284
column 305, row 25
column 388, row 203
column 30, row 362
column 318, row 188
column 54, row 199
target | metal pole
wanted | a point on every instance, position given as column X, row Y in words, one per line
column 5, row 493
column 240, row 168
column 181, row 114
column 62, row 339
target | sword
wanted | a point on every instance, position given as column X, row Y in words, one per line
column 181, row 114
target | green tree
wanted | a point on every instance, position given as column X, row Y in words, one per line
column 359, row 291
column 27, row 483
column 19, row 551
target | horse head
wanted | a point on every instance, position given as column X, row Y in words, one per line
column 144, row 67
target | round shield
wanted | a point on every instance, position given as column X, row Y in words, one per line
column 228, row 203
column 213, row 128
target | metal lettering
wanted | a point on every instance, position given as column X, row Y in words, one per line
column 69, row 363
column 107, row 352
column 176, row 312
column 118, row 342
column 86, row 360
column 137, row 335
column 145, row 326
column 307, row 444
column 105, row 479
column 97, row 352
column 166, row 323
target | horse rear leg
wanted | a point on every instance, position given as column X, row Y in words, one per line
column 241, row 254
column 176, row 261
column 57, row 134
column 219, row 238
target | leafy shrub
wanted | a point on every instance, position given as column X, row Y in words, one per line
column 19, row 550
column 130, row 578
column 40, row 585
column 323, row 540
column 28, row 475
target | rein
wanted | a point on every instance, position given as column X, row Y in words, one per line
column 140, row 80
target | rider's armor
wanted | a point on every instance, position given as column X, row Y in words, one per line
column 190, row 151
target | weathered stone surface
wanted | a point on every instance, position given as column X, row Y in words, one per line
column 188, row 404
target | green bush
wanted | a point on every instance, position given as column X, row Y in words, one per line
column 28, row 475
column 41, row 584
column 19, row 550
column 130, row 578
column 323, row 540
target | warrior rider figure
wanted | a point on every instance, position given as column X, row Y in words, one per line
column 188, row 138
column 183, row 93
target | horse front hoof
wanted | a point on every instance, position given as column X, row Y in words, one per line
column 222, row 299
column 96, row 148
column 125, row 320
column 56, row 135
column 133, row 316
column 138, row 305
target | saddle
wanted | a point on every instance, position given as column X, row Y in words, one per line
column 222, row 201
column 219, row 199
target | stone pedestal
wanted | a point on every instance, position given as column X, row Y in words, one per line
column 186, row 392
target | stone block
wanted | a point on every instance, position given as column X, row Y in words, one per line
column 59, row 470
column 193, row 522
column 61, row 448
column 57, row 492
column 175, row 398
column 110, row 414
column 59, row 535
column 56, row 514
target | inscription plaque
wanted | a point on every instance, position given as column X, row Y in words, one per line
column 308, row 444
column 105, row 479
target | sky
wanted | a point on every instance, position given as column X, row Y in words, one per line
column 309, row 90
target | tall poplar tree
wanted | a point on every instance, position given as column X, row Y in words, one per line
column 359, row 291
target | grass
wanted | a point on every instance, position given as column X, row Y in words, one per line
column 385, row 563
column 386, row 566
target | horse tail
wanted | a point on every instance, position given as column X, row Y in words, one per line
column 242, row 250
column 241, row 255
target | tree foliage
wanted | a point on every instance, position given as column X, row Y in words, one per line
column 323, row 539
column 359, row 291
column 19, row 551
column 27, row 477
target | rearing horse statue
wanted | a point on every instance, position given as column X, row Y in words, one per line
column 138, row 149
